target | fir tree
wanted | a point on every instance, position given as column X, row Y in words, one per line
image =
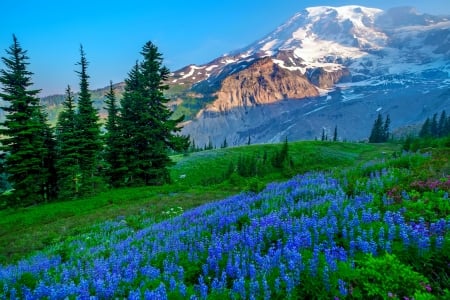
column 88, row 128
column 335, row 135
column 386, row 129
column 447, row 127
column 49, row 157
column 149, row 131
column 67, row 145
column 26, row 132
column 425, row 131
column 114, row 142
column 224, row 144
column 323, row 138
column 377, row 134
column 442, row 124
column 434, row 129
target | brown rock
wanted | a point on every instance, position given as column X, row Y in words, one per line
column 263, row 82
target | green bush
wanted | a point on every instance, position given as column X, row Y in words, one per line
column 387, row 277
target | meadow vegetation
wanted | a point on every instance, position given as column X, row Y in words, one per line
column 329, row 220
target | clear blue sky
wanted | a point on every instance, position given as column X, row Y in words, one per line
column 113, row 32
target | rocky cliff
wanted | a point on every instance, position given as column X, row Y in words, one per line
column 263, row 82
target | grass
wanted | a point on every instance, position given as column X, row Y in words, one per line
column 26, row 230
column 377, row 222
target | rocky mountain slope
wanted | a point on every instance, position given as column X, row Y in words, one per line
column 324, row 67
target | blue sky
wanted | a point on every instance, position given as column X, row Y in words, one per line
column 113, row 32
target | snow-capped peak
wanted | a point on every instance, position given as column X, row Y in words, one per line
column 348, row 26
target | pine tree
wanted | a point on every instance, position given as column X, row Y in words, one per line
column 149, row 131
column 88, row 128
column 442, row 124
column 447, row 127
column 114, row 154
column 26, row 132
column 49, row 156
column 335, row 135
column 224, row 144
column 323, row 138
column 377, row 133
column 434, row 129
column 425, row 131
column 67, row 145
column 386, row 129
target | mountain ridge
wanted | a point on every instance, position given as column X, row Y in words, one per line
column 325, row 61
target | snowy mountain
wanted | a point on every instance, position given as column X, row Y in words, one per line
column 324, row 67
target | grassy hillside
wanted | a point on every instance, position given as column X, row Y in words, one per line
column 363, row 222
column 25, row 230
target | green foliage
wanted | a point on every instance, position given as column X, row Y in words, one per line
column 67, row 145
column 385, row 277
column 281, row 157
column 147, row 127
column 88, row 130
column 28, row 139
column 434, row 128
column 116, row 168
column 335, row 134
column 380, row 131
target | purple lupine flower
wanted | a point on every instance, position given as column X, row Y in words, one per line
column 342, row 287
column 239, row 287
column 439, row 242
column 203, row 288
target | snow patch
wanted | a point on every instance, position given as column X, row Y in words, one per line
column 209, row 69
column 315, row 110
column 191, row 71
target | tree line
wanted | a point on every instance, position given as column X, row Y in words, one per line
column 434, row 128
column 75, row 158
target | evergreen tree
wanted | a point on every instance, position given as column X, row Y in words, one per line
column 425, row 131
column 377, row 134
column 434, row 129
column 26, row 132
column 224, row 144
column 447, row 127
column 114, row 143
column 323, row 138
column 442, row 124
column 88, row 128
column 335, row 135
column 193, row 146
column 210, row 144
column 280, row 157
column 67, row 145
column 386, row 130
column 149, row 131
column 49, row 157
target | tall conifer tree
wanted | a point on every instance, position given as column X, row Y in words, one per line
column 377, row 133
column 26, row 132
column 68, row 156
column 386, row 129
column 425, row 131
column 114, row 154
column 434, row 129
column 442, row 124
column 335, row 134
column 149, row 130
column 88, row 128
